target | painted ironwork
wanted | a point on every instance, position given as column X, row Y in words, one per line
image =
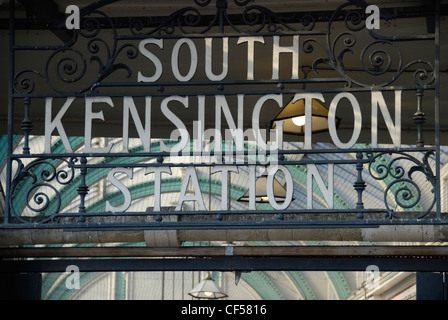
column 84, row 66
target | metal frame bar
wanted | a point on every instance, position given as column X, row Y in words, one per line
column 218, row 251
column 10, row 110
column 437, row 106
column 244, row 264
column 244, row 259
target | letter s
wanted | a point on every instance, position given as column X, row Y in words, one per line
column 124, row 190
column 148, row 54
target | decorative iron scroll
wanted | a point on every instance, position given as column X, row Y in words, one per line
column 376, row 58
column 37, row 186
column 66, row 67
column 99, row 56
column 257, row 17
column 406, row 191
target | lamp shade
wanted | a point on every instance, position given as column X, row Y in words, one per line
column 260, row 191
column 293, row 117
column 207, row 289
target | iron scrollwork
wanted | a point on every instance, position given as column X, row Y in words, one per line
column 405, row 191
column 381, row 58
column 378, row 58
column 67, row 67
column 256, row 18
column 36, row 188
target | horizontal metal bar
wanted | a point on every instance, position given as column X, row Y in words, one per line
column 219, row 225
column 245, row 264
column 216, row 251
column 51, row 23
column 282, row 33
column 218, row 92
column 223, row 153
column 222, row 82
column 30, row 47
column 226, row 212
column 226, row 163
column 248, row 225
column 183, row 226
column 417, row 37
column 257, row 82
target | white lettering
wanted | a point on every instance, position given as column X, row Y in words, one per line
column 270, row 189
column 153, row 58
column 332, row 120
column 190, row 173
column 327, row 192
column 120, row 186
column 294, row 50
column 250, row 53
column 177, row 122
column 90, row 115
column 394, row 130
column 221, row 105
column 143, row 132
column 224, row 183
column 208, row 59
column 157, row 183
column 193, row 310
column 193, row 59
column 278, row 98
column 56, row 123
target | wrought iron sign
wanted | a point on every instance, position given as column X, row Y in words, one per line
column 191, row 93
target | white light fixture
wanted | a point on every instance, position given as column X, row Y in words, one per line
column 207, row 289
column 293, row 114
column 293, row 117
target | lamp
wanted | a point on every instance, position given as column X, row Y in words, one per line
column 207, row 289
column 260, row 191
column 293, row 115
